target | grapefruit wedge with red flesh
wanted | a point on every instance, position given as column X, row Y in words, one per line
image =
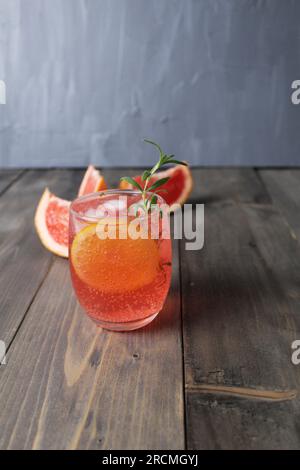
column 52, row 223
column 176, row 190
column 92, row 182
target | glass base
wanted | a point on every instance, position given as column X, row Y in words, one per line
column 125, row 326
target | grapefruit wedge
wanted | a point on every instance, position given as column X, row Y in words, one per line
column 176, row 190
column 52, row 223
column 92, row 182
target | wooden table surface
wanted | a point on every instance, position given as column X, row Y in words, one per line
column 213, row 371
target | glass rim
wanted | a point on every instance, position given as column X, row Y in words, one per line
column 100, row 194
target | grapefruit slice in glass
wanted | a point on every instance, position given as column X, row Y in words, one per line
column 114, row 265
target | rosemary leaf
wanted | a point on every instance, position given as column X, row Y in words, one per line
column 132, row 182
column 158, row 183
column 164, row 159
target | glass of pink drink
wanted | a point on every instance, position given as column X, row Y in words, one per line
column 121, row 281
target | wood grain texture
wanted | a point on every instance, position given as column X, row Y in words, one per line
column 284, row 188
column 81, row 387
column 8, row 177
column 112, row 175
column 215, row 185
column 24, row 261
column 211, row 185
column 240, row 315
column 226, row 422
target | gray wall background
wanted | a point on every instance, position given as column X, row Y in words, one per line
column 208, row 79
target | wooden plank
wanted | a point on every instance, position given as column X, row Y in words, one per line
column 24, row 261
column 112, row 175
column 212, row 185
column 80, row 387
column 241, row 307
column 284, row 187
column 226, row 422
column 8, row 177
column 215, row 185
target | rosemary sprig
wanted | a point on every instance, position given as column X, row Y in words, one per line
column 164, row 159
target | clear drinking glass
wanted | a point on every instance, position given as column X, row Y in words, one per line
column 120, row 257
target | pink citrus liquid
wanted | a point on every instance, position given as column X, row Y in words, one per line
column 129, row 305
column 118, row 281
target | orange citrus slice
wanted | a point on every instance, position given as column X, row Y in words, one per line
column 114, row 265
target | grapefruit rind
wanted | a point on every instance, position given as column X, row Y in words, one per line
column 41, row 225
column 93, row 178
